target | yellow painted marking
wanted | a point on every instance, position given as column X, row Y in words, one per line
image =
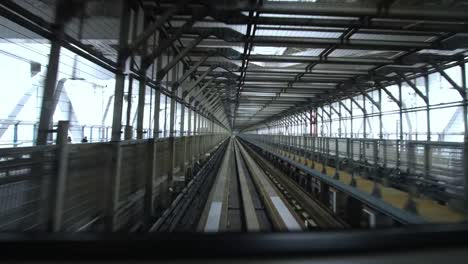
column 427, row 208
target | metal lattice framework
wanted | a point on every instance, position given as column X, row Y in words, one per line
column 234, row 65
column 269, row 58
column 249, row 61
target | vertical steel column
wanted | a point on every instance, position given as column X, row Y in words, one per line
column 314, row 140
column 113, row 184
column 149, row 203
column 362, row 156
column 339, row 120
column 142, row 86
column 149, row 132
column 172, row 116
column 182, row 121
column 330, row 121
column 337, row 160
column 195, row 136
column 290, row 138
column 120, row 72
column 376, row 188
column 328, row 153
column 427, row 147
column 189, row 119
column 465, row 142
column 200, row 136
column 380, row 115
column 410, row 205
column 165, row 113
column 400, row 141
column 350, row 148
column 337, row 152
column 428, row 115
column 48, row 105
column 128, row 132
column 351, row 117
column 203, row 132
column 382, row 143
column 141, row 106
column 212, row 132
column 285, row 137
column 204, row 141
column 322, row 145
column 157, row 106
column 183, row 137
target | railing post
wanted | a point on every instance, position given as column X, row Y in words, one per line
column 149, row 185
column 376, row 189
column 326, row 146
column 15, row 135
column 351, row 149
column 189, row 144
column 337, row 160
column 34, row 134
column 200, row 137
column 305, row 150
column 183, row 137
column 113, row 188
column 314, row 144
column 59, row 183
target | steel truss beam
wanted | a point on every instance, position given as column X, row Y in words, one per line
column 153, row 27
column 166, row 43
column 333, row 108
column 351, row 10
column 369, row 97
column 415, row 89
column 148, row 60
column 345, row 107
column 389, row 94
column 161, row 73
column 233, row 37
column 358, row 105
column 191, row 70
column 429, row 28
column 190, row 89
column 450, row 80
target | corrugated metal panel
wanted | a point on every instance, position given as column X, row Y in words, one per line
column 308, row 16
column 296, row 33
column 342, row 67
column 218, row 59
column 44, row 9
column 387, row 37
column 303, row 52
column 205, row 24
column 279, row 64
column 442, row 52
column 364, row 53
column 302, row 27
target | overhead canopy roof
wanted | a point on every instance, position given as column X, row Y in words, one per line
column 285, row 54
column 269, row 57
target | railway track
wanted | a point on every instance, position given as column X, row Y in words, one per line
column 313, row 214
column 249, row 194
